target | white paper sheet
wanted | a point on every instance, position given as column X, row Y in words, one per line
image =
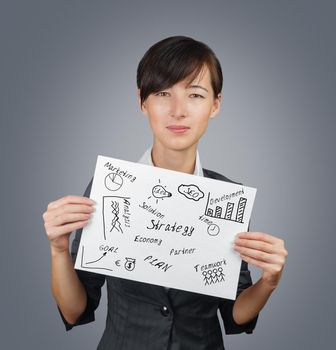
column 165, row 227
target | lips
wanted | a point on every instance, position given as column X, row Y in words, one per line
column 178, row 129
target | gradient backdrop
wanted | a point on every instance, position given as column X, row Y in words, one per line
column 68, row 93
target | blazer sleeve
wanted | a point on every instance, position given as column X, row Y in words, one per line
column 226, row 306
column 92, row 282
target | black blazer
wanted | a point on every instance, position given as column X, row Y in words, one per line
column 143, row 316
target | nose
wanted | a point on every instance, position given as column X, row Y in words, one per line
column 177, row 107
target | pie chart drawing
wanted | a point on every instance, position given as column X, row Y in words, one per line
column 113, row 182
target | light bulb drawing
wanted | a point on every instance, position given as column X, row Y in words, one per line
column 160, row 192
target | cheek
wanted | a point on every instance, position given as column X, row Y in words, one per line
column 202, row 116
column 156, row 118
column 158, row 114
column 202, row 125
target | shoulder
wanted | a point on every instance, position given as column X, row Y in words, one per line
column 214, row 175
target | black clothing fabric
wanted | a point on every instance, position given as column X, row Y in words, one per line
column 143, row 316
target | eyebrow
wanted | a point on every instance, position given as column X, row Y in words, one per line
column 197, row 86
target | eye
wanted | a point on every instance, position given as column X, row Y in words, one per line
column 197, row 96
column 161, row 93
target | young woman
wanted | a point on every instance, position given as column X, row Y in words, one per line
column 179, row 84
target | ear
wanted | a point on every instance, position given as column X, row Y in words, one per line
column 216, row 106
column 143, row 105
column 138, row 97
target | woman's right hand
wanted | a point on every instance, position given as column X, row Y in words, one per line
column 63, row 216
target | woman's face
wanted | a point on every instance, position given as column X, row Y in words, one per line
column 179, row 115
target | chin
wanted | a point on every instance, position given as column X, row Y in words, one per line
column 179, row 145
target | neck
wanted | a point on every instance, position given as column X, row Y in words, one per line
column 178, row 160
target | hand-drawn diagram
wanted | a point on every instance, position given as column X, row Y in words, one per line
column 114, row 210
column 97, row 268
column 113, row 182
column 165, row 228
column 213, row 230
column 213, row 276
column 228, row 214
column 91, row 262
column 160, row 192
column 106, row 249
column 115, row 223
column 130, row 264
column 191, row 192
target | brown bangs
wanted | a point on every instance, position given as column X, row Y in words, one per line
column 174, row 59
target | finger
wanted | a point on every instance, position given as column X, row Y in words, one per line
column 278, row 251
column 65, row 229
column 51, row 214
column 261, row 236
column 261, row 256
column 69, row 218
column 270, row 268
column 70, row 199
column 261, row 264
column 255, row 244
column 72, row 208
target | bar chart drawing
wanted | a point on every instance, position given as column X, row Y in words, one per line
column 229, row 211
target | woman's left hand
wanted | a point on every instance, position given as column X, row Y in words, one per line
column 264, row 251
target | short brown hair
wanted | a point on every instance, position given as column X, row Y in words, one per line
column 173, row 59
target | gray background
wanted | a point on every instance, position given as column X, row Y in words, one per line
column 67, row 73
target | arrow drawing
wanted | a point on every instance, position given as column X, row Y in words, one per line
column 89, row 267
column 91, row 262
